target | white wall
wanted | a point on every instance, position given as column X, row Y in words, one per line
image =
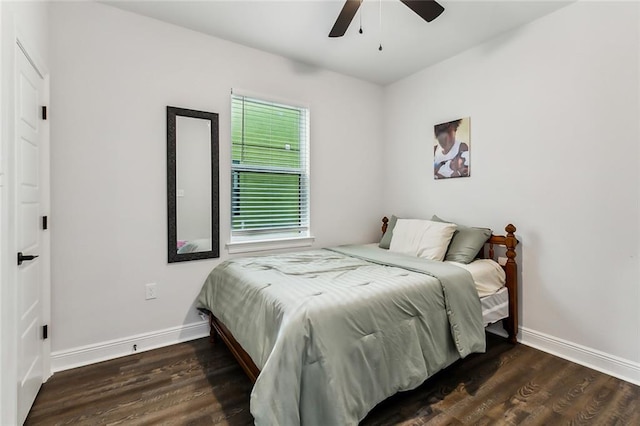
column 29, row 21
column 113, row 74
column 554, row 147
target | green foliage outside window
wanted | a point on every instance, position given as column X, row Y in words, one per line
column 267, row 165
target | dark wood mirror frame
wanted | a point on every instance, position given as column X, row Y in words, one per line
column 174, row 256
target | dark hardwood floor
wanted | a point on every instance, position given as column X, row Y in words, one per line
column 195, row 384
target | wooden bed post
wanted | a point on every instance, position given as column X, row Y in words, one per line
column 385, row 223
column 511, row 269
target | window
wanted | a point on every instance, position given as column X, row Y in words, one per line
column 269, row 170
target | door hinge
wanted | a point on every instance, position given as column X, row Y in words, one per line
column 45, row 223
column 45, row 332
column 44, row 112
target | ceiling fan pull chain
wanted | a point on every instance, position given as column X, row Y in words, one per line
column 360, row 31
column 380, row 47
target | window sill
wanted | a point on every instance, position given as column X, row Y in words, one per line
column 234, row 247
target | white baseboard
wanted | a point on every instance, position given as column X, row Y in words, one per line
column 605, row 363
column 90, row 354
column 77, row 357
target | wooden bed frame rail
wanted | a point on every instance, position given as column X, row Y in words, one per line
column 243, row 358
column 510, row 324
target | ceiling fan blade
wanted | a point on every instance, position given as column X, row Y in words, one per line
column 344, row 19
column 426, row 9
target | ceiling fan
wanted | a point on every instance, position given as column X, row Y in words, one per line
column 426, row 9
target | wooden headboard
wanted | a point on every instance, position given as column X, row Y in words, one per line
column 510, row 268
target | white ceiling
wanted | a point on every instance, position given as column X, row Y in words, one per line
column 298, row 29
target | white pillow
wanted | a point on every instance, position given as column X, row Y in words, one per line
column 422, row 238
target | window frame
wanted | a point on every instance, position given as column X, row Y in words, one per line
column 264, row 239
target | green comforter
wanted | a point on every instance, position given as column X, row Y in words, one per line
column 334, row 332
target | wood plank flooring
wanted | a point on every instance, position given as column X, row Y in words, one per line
column 194, row 383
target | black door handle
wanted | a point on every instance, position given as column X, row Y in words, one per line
column 25, row 257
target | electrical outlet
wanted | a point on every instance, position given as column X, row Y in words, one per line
column 151, row 291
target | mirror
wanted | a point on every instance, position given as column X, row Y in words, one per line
column 192, row 184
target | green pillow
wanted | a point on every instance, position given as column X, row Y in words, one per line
column 466, row 242
column 385, row 242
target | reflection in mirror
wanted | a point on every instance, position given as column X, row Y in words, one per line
column 192, row 190
column 193, row 170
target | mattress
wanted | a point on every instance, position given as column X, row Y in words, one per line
column 489, row 278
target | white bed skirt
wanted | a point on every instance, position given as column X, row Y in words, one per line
column 495, row 307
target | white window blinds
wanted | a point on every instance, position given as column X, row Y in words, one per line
column 269, row 170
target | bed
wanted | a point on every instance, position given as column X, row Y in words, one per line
column 327, row 334
column 193, row 246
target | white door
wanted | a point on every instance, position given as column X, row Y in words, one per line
column 30, row 307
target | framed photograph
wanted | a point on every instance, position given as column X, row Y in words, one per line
column 452, row 149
